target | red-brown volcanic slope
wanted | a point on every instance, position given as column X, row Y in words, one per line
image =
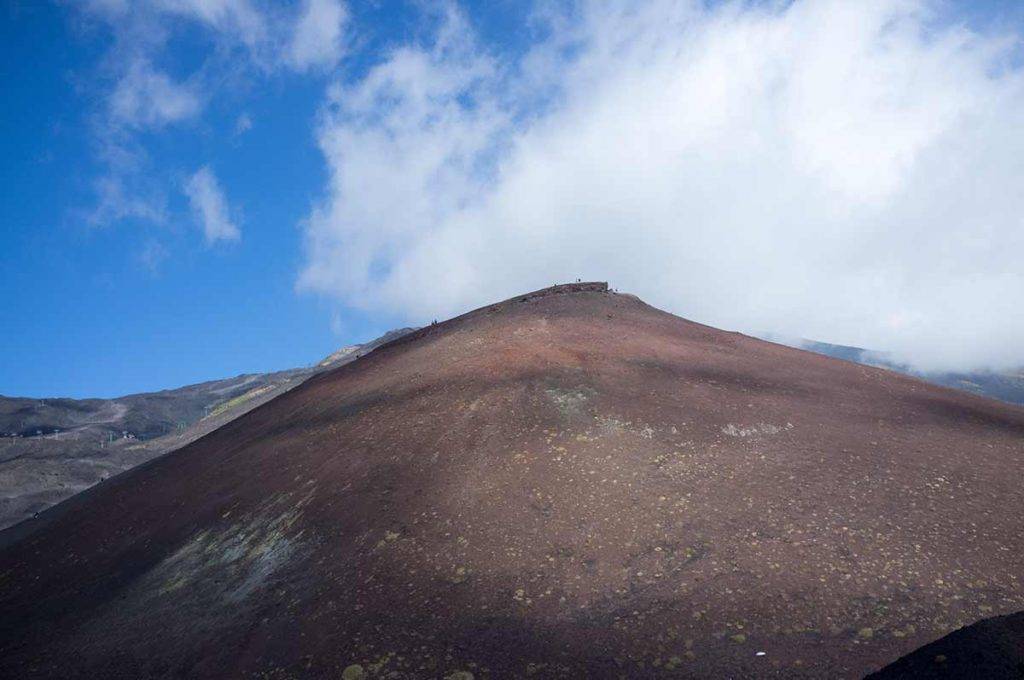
column 569, row 483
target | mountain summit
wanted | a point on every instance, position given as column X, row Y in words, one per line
column 568, row 483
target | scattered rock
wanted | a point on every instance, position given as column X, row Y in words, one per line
column 353, row 672
column 459, row 675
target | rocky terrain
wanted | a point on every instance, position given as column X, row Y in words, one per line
column 569, row 483
column 51, row 449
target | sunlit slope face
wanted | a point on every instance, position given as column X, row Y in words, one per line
column 567, row 483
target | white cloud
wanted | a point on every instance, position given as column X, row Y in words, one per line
column 849, row 172
column 147, row 98
column 210, row 207
column 317, row 40
column 419, row 124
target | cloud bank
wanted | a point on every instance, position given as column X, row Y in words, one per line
column 851, row 172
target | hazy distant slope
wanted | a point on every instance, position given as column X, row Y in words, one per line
column 1006, row 386
column 53, row 448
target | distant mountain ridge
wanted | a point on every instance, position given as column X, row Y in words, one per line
column 51, row 449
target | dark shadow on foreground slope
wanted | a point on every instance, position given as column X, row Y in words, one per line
column 991, row 648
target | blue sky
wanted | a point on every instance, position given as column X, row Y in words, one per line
column 125, row 305
column 195, row 190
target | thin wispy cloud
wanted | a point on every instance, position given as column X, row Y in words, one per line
column 144, row 97
column 237, row 19
column 152, row 256
column 243, row 124
column 115, row 203
column 210, row 207
column 843, row 171
column 243, row 43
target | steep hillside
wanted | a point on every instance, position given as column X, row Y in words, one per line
column 567, row 484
